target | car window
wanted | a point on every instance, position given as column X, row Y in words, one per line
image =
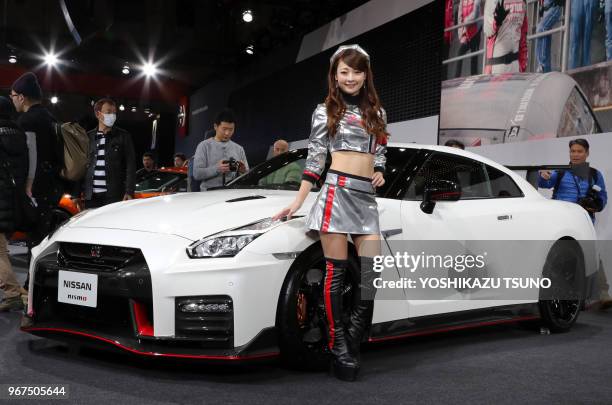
column 281, row 172
column 182, row 186
column 397, row 158
column 158, row 181
column 469, row 174
column 577, row 118
column 288, row 173
column 502, row 185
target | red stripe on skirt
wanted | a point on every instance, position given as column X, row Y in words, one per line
column 328, row 207
column 341, row 181
column 328, row 308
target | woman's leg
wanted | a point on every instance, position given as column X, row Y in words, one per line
column 368, row 246
column 345, row 364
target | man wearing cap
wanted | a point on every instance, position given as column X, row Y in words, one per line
column 13, row 173
column 37, row 122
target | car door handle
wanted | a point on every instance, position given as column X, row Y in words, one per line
column 505, row 217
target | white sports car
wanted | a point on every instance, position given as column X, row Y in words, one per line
column 210, row 276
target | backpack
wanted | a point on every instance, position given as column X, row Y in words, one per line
column 75, row 145
column 561, row 173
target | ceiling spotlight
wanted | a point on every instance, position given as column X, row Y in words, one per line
column 133, row 109
column 149, row 69
column 250, row 49
column 50, row 59
column 126, row 69
column 54, row 100
column 247, row 16
column 121, row 107
column 147, row 111
column 12, row 59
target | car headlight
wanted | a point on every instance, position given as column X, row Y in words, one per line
column 229, row 243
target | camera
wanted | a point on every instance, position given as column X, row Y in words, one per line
column 592, row 202
column 233, row 164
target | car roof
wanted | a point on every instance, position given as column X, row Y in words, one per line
column 524, row 184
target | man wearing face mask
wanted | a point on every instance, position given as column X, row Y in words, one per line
column 110, row 177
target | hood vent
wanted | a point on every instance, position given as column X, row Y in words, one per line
column 250, row 197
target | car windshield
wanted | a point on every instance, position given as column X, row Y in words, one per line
column 284, row 172
column 158, row 182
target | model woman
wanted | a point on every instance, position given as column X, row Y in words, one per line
column 352, row 126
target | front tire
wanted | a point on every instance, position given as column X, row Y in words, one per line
column 301, row 319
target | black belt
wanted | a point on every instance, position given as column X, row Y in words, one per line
column 503, row 60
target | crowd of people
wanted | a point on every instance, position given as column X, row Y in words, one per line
column 32, row 161
column 505, row 25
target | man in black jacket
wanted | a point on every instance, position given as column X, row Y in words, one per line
column 37, row 122
column 111, row 173
column 13, row 172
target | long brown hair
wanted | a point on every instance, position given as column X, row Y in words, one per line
column 369, row 103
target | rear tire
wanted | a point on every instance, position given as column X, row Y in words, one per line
column 565, row 267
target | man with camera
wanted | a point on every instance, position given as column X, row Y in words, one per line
column 583, row 185
column 218, row 160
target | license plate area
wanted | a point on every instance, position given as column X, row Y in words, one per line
column 77, row 288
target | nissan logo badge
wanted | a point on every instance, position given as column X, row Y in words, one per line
column 96, row 251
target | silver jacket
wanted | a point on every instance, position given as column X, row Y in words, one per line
column 351, row 135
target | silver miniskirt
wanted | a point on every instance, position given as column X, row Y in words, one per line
column 345, row 204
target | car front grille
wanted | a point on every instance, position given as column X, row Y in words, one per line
column 83, row 256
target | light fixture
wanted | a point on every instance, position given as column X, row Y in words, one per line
column 126, row 69
column 147, row 110
column 54, row 100
column 121, row 107
column 247, row 16
column 250, row 49
column 133, row 109
column 149, row 69
column 50, row 59
column 12, row 59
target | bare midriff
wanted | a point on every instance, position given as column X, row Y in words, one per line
column 357, row 163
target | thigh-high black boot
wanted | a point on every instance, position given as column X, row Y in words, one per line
column 344, row 364
column 363, row 305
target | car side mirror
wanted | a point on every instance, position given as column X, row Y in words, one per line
column 439, row 190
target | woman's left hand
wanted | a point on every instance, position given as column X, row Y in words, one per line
column 378, row 180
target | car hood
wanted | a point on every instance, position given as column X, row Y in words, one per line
column 191, row 215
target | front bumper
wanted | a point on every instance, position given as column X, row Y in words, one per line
column 137, row 303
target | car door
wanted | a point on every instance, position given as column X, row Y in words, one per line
column 453, row 228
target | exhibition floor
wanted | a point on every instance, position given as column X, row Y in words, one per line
column 501, row 364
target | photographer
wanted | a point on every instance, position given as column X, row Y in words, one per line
column 218, row 160
column 582, row 184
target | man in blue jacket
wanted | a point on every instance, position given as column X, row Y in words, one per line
column 567, row 186
column 589, row 191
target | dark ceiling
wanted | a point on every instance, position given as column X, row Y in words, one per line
column 194, row 41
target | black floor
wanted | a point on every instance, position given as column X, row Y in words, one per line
column 501, row 364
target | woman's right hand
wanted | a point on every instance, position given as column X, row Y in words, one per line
column 287, row 211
